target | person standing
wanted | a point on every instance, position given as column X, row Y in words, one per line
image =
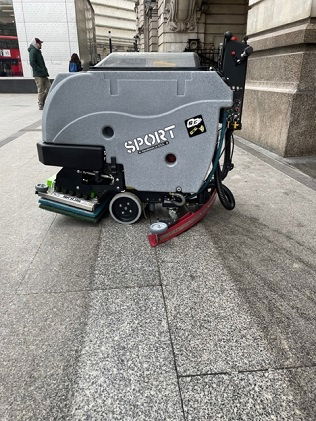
column 40, row 72
column 75, row 63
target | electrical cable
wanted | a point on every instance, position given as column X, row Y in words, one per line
column 233, row 148
column 226, row 197
column 206, row 182
column 227, row 165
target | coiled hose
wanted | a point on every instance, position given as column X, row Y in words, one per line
column 216, row 158
column 226, row 197
column 217, row 174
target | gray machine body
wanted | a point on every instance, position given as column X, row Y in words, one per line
column 140, row 117
column 151, row 60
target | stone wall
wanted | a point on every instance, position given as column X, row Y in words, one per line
column 179, row 20
column 280, row 102
column 222, row 16
column 166, row 25
column 206, row 20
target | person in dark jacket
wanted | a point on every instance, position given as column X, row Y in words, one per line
column 75, row 63
column 40, row 72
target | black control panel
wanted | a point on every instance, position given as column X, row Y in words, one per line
column 232, row 66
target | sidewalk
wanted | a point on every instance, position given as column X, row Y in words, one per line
column 217, row 324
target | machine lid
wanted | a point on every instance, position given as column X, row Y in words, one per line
column 170, row 61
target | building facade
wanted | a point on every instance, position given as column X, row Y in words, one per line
column 280, row 100
column 118, row 18
column 65, row 26
column 168, row 25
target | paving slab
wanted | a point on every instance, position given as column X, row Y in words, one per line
column 125, row 258
column 239, row 302
column 40, row 340
column 265, row 396
column 18, row 111
column 273, row 198
column 66, row 258
column 126, row 367
column 23, row 224
column 305, row 164
column 211, row 326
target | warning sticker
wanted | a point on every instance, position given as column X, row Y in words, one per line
column 195, row 126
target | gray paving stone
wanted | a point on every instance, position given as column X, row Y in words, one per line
column 66, row 258
column 240, row 301
column 272, row 395
column 275, row 199
column 125, row 258
column 126, row 368
column 40, row 341
column 211, row 326
column 17, row 112
column 23, row 225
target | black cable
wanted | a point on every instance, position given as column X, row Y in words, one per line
column 233, row 148
column 227, row 165
column 226, row 197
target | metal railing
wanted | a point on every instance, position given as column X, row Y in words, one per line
column 208, row 54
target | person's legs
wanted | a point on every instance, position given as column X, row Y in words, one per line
column 41, row 84
column 46, row 88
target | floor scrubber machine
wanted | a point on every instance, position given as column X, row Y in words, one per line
column 140, row 130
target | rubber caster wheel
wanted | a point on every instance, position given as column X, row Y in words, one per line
column 125, row 208
column 41, row 188
column 158, row 228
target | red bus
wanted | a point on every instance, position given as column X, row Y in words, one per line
column 10, row 60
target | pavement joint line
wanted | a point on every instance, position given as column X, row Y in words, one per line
column 19, row 133
column 183, row 376
column 258, row 370
column 170, row 336
column 276, row 162
column 84, row 290
column 35, row 254
column 294, row 367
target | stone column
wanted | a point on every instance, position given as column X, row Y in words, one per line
column 140, row 17
column 147, row 24
column 280, row 103
column 178, row 21
column 153, row 28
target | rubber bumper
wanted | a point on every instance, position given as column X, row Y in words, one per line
column 79, row 157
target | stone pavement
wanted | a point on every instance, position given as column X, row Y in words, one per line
column 217, row 324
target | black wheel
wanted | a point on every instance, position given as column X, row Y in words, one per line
column 125, row 208
column 41, row 188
